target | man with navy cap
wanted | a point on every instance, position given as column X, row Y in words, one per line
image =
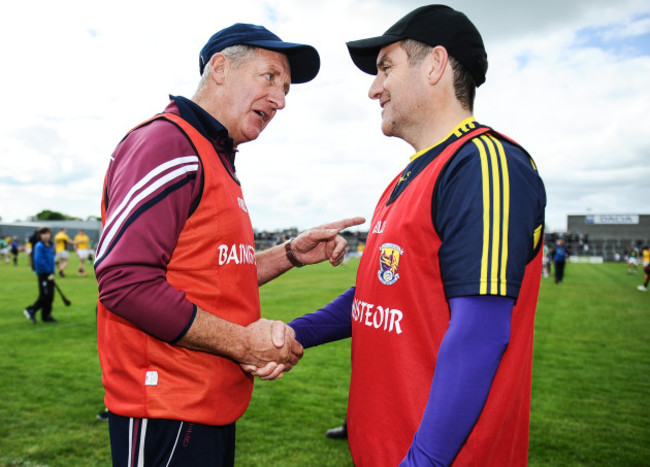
column 442, row 314
column 177, row 269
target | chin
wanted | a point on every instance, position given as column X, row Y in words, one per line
column 387, row 130
column 251, row 136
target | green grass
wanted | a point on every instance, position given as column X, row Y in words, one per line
column 591, row 375
column 591, row 370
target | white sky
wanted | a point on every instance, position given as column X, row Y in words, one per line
column 567, row 79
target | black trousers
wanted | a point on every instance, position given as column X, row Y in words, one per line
column 559, row 271
column 45, row 296
column 140, row 442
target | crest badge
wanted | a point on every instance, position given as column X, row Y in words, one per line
column 388, row 262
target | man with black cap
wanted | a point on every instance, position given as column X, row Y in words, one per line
column 442, row 314
column 177, row 269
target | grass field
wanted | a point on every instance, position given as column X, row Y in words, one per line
column 591, row 377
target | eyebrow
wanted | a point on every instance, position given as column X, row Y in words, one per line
column 382, row 60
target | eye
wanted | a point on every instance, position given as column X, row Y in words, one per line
column 384, row 69
column 269, row 76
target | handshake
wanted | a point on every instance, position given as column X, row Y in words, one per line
column 272, row 349
column 268, row 348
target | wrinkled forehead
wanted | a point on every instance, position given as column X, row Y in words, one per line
column 271, row 58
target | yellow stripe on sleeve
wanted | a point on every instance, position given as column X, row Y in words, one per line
column 496, row 216
column 505, row 220
column 496, row 198
column 485, row 178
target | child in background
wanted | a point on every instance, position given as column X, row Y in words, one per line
column 44, row 268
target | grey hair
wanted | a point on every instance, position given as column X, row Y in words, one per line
column 237, row 55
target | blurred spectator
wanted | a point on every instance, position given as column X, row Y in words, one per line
column 559, row 258
column 44, row 268
column 15, row 248
column 632, row 260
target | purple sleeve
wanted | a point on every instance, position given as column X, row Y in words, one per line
column 150, row 185
column 330, row 323
column 469, row 355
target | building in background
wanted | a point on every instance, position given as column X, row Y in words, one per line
column 595, row 236
column 606, row 236
column 25, row 229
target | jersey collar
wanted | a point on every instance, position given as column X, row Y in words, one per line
column 459, row 130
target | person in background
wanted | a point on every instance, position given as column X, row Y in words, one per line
column 82, row 248
column 15, row 249
column 546, row 260
column 177, row 270
column 4, row 249
column 632, row 260
column 645, row 261
column 559, row 259
column 61, row 240
column 28, row 249
column 442, row 333
column 44, row 268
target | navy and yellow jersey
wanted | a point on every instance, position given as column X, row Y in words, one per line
column 488, row 209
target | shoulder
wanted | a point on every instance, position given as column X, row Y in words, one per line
column 491, row 156
column 495, row 146
column 155, row 136
column 148, row 147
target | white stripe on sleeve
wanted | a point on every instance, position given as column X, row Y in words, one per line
column 131, row 202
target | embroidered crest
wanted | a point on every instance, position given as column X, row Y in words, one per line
column 388, row 262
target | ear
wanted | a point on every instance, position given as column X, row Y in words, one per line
column 218, row 64
column 437, row 63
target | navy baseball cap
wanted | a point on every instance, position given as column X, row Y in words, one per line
column 434, row 25
column 304, row 60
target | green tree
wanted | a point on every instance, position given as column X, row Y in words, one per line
column 47, row 215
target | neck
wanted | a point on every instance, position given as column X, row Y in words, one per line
column 439, row 126
column 201, row 98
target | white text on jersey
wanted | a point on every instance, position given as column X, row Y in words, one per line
column 238, row 254
column 379, row 227
column 377, row 316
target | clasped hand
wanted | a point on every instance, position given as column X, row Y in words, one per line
column 273, row 349
column 282, row 352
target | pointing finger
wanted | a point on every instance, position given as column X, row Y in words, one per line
column 344, row 223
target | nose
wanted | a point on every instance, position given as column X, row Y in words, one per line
column 278, row 98
column 376, row 88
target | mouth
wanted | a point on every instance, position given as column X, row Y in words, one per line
column 384, row 99
column 262, row 115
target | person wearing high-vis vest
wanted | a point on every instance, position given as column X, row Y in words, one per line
column 442, row 313
column 178, row 274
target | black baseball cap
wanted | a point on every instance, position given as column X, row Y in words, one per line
column 434, row 25
column 304, row 60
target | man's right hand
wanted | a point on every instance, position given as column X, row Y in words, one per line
column 264, row 348
column 281, row 335
column 271, row 341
